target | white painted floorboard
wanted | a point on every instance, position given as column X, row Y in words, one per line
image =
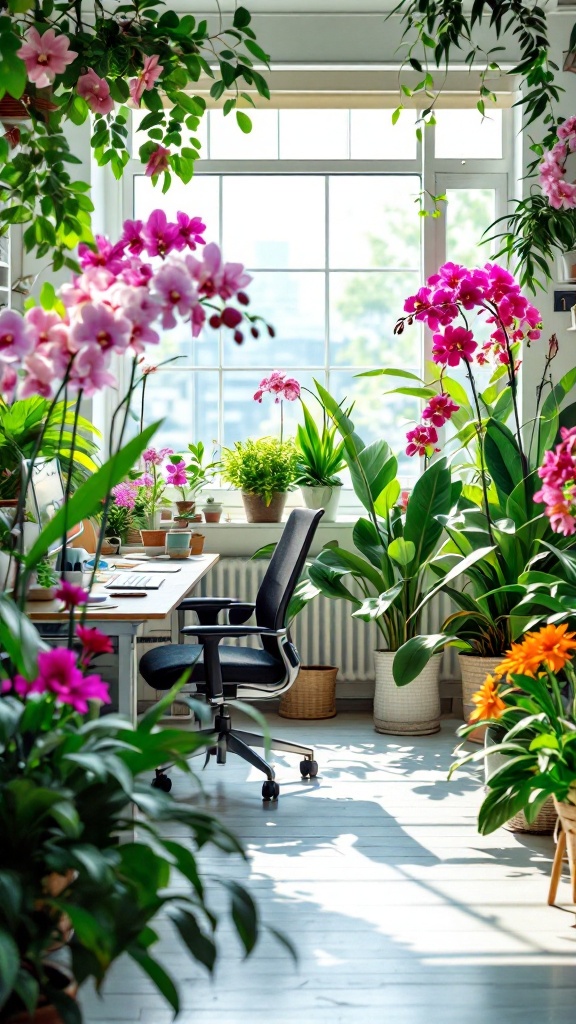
column 400, row 911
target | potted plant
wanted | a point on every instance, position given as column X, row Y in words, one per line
column 320, row 459
column 495, row 522
column 67, row 782
column 212, row 510
column 264, row 471
column 391, row 568
column 191, row 476
column 531, row 699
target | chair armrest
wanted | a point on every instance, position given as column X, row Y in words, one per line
column 191, row 604
column 232, row 631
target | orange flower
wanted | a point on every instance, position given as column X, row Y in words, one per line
column 522, row 659
column 553, row 645
column 488, row 703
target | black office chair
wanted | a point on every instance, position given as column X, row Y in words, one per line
column 224, row 673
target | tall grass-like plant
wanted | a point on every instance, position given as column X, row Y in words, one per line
column 320, row 452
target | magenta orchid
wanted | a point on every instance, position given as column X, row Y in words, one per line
column 439, row 409
column 421, row 441
column 71, row 595
column 58, row 674
column 96, row 92
column 279, row 384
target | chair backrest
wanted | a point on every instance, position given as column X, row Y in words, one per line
column 284, row 571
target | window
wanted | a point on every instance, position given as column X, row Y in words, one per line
column 322, row 208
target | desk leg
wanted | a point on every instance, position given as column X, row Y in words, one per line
column 127, row 677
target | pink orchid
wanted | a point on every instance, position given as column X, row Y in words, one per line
column 48, row 327
column 450, row 275
column 45, row 56
column 132, row 236
column 197, row 319
column 558, row 475
column 189, row 232
column 562, row 195
column 146, row 480
column 90, row 371
column 146, row 79
column 16, row 337
column 138, row 306
column 39, row 375
column 234, row 278
column 207, row 272
column 71, row 595
column 176, row 474
column 137, row 273
column 280, row 385
column 96, row 92
column 8, row 383
column 454, row 345
column 175, row 291
column 158, row 161
column 106, row 255
column 88, row 287
column 99, row 325
column 421, row 441
column 158, row 235
column 439, row 409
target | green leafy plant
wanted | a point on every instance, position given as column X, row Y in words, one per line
column 66, row 790
column 25, row 432
column 261, row 467
column 533, row 714
column 320, row 453
column 198, row 472
column 46, row 574
column 141, row 53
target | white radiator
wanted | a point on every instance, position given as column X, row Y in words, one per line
column 325, row 632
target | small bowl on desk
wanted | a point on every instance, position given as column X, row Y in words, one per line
column 179, row 555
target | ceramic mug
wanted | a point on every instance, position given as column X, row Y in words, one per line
column 178, row 541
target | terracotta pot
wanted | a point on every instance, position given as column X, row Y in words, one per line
column 412, row 710
column 213, row 517
column 197, row 544
column 185, row 506
column 258, row 512
column 474, row 670
column 153, row 538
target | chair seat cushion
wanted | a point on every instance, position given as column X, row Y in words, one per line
column 163, row 666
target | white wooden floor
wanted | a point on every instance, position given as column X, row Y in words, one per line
column 400, row 911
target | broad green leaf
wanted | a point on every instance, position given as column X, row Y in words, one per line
column 401, row 551
column 411, row 659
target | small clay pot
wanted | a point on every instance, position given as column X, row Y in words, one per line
column 197, row 543
column 153, row 538
column 185, row 506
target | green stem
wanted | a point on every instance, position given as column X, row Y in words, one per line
column 479, row 431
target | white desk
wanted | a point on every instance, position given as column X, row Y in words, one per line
column 126, row 620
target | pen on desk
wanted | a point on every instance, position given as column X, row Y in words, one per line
column 128, row 593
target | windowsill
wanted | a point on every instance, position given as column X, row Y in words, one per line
column 239, row 539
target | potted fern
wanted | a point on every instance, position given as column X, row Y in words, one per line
column 264, row 471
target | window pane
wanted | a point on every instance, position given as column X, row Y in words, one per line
column 468, row 212
column 188, row 403
column 374, row 137
column 375, row 223
column 294, row 305
column 227, row 142
column 202, row 351
column 363, row 310
column 199, row 198
column 139, row 138
column 464, row 134
column 314, row 135
column 377, row 416
column 244, row 417
column 274, row 221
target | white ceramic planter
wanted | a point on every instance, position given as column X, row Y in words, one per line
column 412, row 710
column 569, row 264
column 327, row 498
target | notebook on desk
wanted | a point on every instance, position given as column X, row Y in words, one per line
column 134, row 581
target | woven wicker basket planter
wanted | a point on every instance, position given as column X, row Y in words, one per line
column 544, row 822
column 313, row 695
column 412, row 710
column 474, row 670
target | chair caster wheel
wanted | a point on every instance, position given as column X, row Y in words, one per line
column 270, row 790
column 161, row 781
column 308, row 768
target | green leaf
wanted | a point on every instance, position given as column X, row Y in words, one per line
column 411, row 659
column 85, row 502
column 401, row 551
column 244, row 914
column 242, row 18
column 160, row 978
column 200, row 945
column 12, row 68
column 9, row 965
column 244, row 122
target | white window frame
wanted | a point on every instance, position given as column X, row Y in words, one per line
column 436, row 176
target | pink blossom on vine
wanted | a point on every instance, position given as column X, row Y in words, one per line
column 146, row 79
column 96, row 92
column 45, row 56
column 158, row 161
